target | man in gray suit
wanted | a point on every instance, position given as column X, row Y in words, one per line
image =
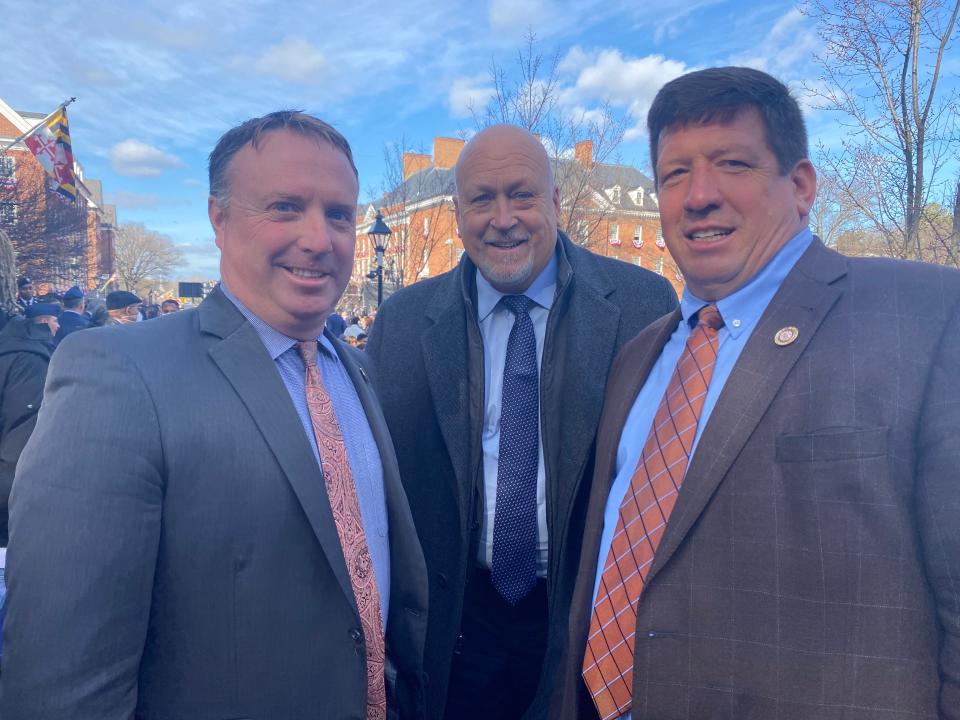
column 182, row 554
column 774, row 524
column 491, row 378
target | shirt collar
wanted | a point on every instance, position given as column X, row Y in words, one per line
column 741, row 310
column 276, row 342
column 541, row 290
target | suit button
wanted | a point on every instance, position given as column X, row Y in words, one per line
column 442, row 581
column 356, row 635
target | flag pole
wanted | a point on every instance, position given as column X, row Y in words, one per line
column 36, row 127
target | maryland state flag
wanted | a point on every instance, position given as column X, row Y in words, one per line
column 50, row 144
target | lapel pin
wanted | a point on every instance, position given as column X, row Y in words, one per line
column 786, row 335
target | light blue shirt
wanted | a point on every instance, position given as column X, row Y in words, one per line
column 362, row 452
column 741, row 311
column 496, row 322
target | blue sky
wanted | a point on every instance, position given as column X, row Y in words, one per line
column 159, row 82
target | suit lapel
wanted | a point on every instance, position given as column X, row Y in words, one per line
column 242, row 359
column 803, row 301
column 446, row 356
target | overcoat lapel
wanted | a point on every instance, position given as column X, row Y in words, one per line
column 803, row 301
column 585, row 345
column 446, row 356
column 241, row 357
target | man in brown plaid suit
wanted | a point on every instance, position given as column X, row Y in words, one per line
column 776, row 533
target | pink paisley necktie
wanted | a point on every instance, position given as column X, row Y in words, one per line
column 346, row 514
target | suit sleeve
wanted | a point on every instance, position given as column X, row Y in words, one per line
column 938, row 505
column 84, row 528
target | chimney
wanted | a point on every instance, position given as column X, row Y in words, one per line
column 414, row 163
column 583, row 152
column 445, row 152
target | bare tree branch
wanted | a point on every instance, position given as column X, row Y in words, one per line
column 881, row 69
column 143, row 254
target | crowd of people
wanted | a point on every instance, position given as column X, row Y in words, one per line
column 545, row 488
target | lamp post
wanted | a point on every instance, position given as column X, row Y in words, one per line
column 379, row 235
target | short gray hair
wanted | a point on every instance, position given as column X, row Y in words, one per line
column 252, row 133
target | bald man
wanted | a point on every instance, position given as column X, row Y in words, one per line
column 491, row 377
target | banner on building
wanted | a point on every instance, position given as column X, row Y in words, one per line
column 50, row 144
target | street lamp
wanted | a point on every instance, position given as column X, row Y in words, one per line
column 379, row 235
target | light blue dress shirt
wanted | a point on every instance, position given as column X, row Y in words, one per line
column 741, row 311
column 362, row 451
column 496, row 322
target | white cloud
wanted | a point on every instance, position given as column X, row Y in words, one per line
column 137, row 159
column 294, row 60
column 515, row 15
column 468, row 95
column 787, row 49
column 606, row 75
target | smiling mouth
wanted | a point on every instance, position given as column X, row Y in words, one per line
column 305, row 273
column 506, row 244
column 708, row 235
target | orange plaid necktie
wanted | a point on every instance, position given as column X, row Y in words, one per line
column 346, row 514
column 644, row 512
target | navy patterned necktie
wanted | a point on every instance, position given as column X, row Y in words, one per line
column 515, row 520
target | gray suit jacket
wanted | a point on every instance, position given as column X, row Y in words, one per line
column 811, row 566
column 428, row 354
column 176, row 556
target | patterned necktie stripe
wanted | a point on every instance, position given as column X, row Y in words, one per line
column 642, row 520
column 342, row 494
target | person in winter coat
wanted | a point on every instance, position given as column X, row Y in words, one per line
column 25, row 348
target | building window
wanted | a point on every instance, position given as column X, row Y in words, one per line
column 426, row 227
column 614, row 194
column 638, row 237
column 583, row 232
column 614, row 234
column 8, row 212
column 8, row 171
column 660, row 242
column 660, row 266
column 639, row 261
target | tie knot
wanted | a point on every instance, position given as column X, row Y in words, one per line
column 308, row 351
column 710, row 316
column 517, row 303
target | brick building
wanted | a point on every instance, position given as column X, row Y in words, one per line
column 58, row 244
column 610, row 209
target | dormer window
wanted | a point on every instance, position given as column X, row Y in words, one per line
column 614, row 194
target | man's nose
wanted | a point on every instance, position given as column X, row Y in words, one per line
column 703, row 191
column 315, row 232
column 503, row 215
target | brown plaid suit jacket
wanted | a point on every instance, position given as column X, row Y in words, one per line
column 811, row 567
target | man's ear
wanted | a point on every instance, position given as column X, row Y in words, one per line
column 804, row 178
column 217, row 217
